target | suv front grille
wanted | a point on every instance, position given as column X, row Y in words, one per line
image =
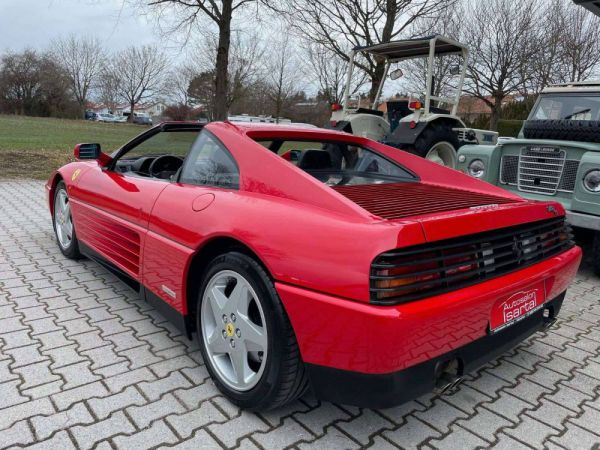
column 426, row 270
column 541, row 170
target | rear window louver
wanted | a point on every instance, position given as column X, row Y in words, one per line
column 399, row 200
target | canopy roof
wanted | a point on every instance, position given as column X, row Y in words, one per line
column 414, row 48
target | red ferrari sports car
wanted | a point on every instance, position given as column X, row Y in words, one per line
column 304, row 257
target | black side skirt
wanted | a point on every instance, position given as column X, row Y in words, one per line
column 180, row 321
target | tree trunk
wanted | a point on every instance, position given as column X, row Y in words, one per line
column 391, row 11
column 221, row 69
column 377, row 79
column 496, row 113
column 131, row 109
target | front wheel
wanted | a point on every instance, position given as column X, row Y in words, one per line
column 62, row 221
column 246, row 339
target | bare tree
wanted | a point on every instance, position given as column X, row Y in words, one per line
column 108, row 89
column 34, row 84
column 329, row 70
column 20, row 81
column 139, row 74
column 178, row 82
column 547, row 66
column 220, row 12
column 580, row 44
column 245, row 64
column 282, row 74
column 501, row 35
column 341, row 24
column 449, row 23
column 81, row 58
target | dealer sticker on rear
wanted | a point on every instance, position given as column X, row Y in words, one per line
column 517, row 307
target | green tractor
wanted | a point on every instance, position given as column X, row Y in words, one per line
column 419, row 125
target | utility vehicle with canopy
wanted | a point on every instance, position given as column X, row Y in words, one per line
column 421, row 125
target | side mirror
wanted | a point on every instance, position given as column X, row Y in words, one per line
column 395, row 74
column 91, row 152
column 87, row 151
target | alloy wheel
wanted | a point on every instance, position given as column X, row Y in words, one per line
column 62, row 219
column 233, row 330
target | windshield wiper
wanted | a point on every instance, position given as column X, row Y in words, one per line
column 583, row 111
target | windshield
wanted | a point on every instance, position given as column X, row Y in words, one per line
column 567, row 107
column 339, row 163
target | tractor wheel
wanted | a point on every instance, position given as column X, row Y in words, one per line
column 438, row 143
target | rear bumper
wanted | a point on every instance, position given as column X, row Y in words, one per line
column 352, row 336
column 390, row 389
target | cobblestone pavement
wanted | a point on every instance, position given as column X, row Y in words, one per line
column 85, row 364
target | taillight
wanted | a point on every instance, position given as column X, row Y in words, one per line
column 415, row 105
column 407, row 273
column 336, row 107
column 412, row 273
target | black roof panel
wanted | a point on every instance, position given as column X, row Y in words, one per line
column 411, row 48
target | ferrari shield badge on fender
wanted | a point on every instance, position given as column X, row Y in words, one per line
column 75, row 174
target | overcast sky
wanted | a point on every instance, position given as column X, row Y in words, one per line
column 34, row 23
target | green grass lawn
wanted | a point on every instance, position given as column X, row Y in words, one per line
column 31, row 147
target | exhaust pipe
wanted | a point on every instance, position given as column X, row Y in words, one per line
column 447, row 384
column 444, row 382
column 448, row 378
column 549, row 318
column 549, row 323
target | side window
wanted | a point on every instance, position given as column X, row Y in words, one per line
column 175, row 143
column 210, row 163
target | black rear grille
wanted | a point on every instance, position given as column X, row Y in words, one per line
column 422, row 271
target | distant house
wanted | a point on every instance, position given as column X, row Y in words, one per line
column 472, row 108
column 99, row 108
column 154, row 109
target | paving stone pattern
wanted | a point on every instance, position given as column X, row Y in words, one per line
column 85, row 364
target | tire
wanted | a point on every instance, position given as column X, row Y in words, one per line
column 437, row 134
column 276, row 379
column 68, row 247
column 563, row 130
column 596, row 253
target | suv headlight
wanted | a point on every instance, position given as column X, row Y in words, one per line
column 591, row 180
column 476, row 168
